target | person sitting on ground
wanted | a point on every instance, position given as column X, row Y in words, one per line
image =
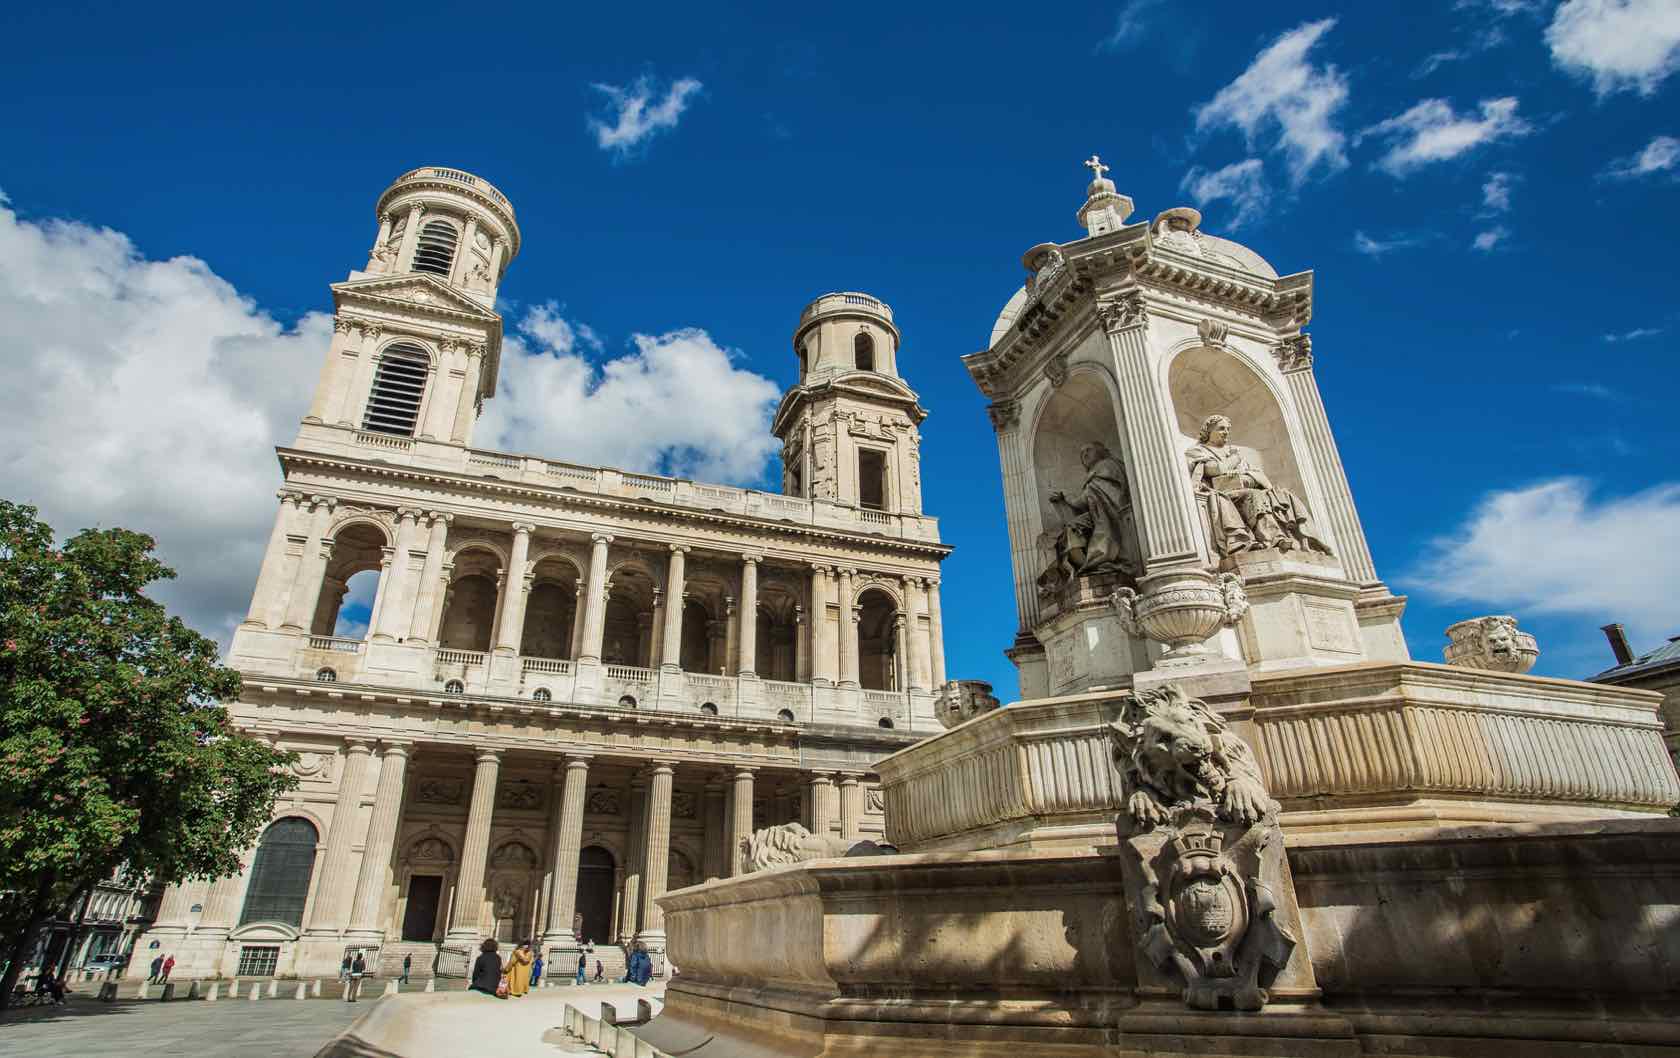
column 487, row 969
column 49, row 983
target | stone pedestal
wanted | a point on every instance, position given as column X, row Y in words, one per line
column 1085, row 646
column 1301, row 611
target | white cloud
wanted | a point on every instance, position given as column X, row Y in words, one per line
column 1244, row 183
column 1617, row 44
column 1661, row 155
column 1431, row 131
column 1634, row 335
column 1587, row 389
column 1282, row 88
column 149, row 394
column 1496, row 192
column 1435, row 60
column 633, row 117
column 1486, row 241
column 1131, row 25
column 1374, row 247
column 1500, row 8
column 1554, row 549
column 676, row 403
column 155, row 395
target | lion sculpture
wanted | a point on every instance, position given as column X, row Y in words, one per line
column 1172, row 750
column 787, row 843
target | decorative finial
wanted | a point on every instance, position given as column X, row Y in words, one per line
column 1096, row 166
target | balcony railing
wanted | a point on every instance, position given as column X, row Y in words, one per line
column 336, row 644
column 460, row 657
column 631, row 674
column 557, row 665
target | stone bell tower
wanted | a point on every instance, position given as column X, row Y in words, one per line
column 849, row 428
column 417, row 342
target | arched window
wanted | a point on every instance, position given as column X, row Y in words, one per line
column 542, row 694
column 709, row 708
column 863, row 348
column 398, row 384
column 454, row 687
column 785, row 716
column 628, row 701
column 326, row 676
column 280, row 873
column 886, row 722
column 435, row 252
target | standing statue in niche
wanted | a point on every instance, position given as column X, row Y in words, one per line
column 1246, row 512
column 1095, row 536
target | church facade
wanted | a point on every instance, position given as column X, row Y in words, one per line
column 579, row 687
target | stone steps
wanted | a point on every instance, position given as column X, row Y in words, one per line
column 391, row 959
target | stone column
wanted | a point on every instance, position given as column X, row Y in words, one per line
column 512, row 627
column 374, row 880
column 645, row 637
column 741, row 819
column 466, row 409
column 822, row 658
column 1295, row 358
column 848, row 631
column 936, row 635
column 396, row 610
column 656, row 845
column 498, row 249
column 716, row 862
column 312, row 566
column 636, row 862
column 568, row 848
column 901, row 655
column 917, row 659
column 579, row 605
column 411, row 236
column 748, row 663
column 671, row 654
column 1168, row 527
column 821, row 796
column 330, row 910
column 431, row 579
column 267, row 601
column 475, row 850
column 463, row 254
column 801, row 645
column 595, row 612
column 851, row 807
column 353, row 402
column 381, row 587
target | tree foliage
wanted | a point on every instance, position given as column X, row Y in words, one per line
column 115, row 748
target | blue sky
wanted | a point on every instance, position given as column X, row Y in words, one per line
column 1486, row 192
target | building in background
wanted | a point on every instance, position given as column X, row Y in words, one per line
column 1657, row 670
column 579, row 686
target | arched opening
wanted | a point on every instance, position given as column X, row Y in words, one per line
column 1089, row 528
column 351, row 583
column 709, row 708
column 872, row 479
column 550, row 611
column 628, row 701
column 454, row 687
column 777, row 646
column 469, row 610
column 542, row 694
column 627, row 638
column 696, row 653
column 885, row 723
column 430, row 860
column 435, row 250
column 863, row 351
column 877, row 642
column 512, row 884
column 280, row 873
column 326, row 675
column 596, row 869
column 399, row 385
column 785, row 715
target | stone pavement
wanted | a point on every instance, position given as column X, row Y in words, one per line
column 270, row 1028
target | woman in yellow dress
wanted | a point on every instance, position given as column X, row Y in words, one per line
column 518, row 970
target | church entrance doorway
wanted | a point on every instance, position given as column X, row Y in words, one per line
column 420, row 920
column 596, row 870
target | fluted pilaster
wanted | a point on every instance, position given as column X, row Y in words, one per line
column 1342, row 515
column 568, row 849
column 821, row 796
column 330, row 911
column 374, row 879
column 851, row 807
column 475, row 850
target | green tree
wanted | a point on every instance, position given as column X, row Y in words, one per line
column 115, row 749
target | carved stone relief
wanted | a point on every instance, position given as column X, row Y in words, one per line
column 1245, row 510
column 520, row 795
column 433, row 791
column 682, row 804
column 602, row 802
column 314, row 765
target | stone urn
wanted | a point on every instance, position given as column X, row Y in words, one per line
column 1181, row 609
column 962, row 700
column 1493, row 643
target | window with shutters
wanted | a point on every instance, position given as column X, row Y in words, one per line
column 399, row 383
column 435, row 250
column 280, row 873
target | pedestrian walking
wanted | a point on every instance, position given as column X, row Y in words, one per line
column 408, row 963
column 518, row 970
column 344, row 968
column 536, row 971
column 157, row 970
column 600, row 973
column 487, row 970
column 168, row 965
column 358, row 969
column 582, row 961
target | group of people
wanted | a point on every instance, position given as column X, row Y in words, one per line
column 523, row 969
column 160, row 969
column 352, row 970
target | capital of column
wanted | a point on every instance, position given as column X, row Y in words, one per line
column 329, row 502
column 798, row 614
column 488, row 756
column 578, row 761
column 600, row 538
column 898, row 619
column 292, row 496
column 751, row 559
column 1005, row 414
column 850, row 779
column 822, row 568
column 1294, row 353
column 680, row 549
column 371, row 330
column 1124, row 311
column 440, row 516
column 525, row 528
column 396, row 747
column 742, row 773
column 662, row 767
column 358, row 745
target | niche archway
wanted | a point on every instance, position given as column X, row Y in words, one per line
column 878, row 661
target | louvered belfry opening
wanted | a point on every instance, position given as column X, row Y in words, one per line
column 435, row 252
column 398, row 385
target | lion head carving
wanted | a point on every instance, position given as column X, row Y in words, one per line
column 1173, row 750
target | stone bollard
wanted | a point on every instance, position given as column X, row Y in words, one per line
column 108, row 992
column 644, row 1011
column 273, row 987
column 609, row 1014
column 256, row 991
column 315, row 988
column 644, row 1049
column 431, row 984
column 303, row 991
column 143, row 991
column 215, row 992
column 192, row 992
column 391, row 988
column 168, row 992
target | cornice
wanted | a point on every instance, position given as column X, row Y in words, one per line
column 848, row 385
column 624, row 508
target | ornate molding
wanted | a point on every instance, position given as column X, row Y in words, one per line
column 1127, row 310
column 1056, row 369
column 1294, row 353
column 1005, row 414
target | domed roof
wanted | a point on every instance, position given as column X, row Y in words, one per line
column 1006, row 318
column 1179, row 229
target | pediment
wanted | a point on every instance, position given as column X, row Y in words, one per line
column 414, row 291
